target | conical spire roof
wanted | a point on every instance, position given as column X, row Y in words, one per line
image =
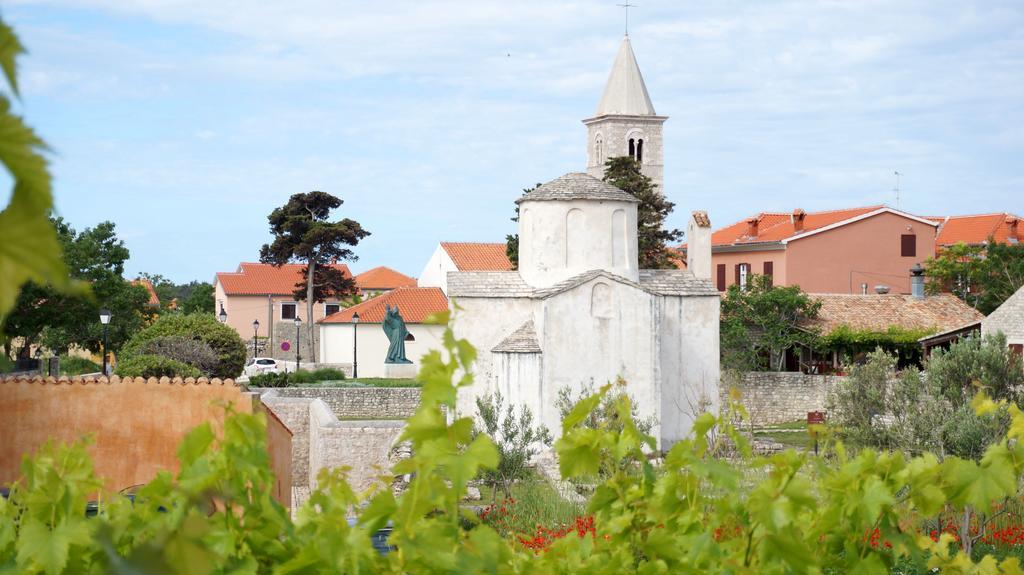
column 625, row 94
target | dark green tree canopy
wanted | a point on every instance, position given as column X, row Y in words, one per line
column 60, row 319
column 304, row 233
column 763, row 320
column 655, row 249
column 983, row 276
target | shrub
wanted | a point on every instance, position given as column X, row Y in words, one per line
column 228, row 347
column 966, row 434
column 303, row 376
column 78, row 366
column 155, row 366
column 515, row 436
column 194, row 352
column 976, row 363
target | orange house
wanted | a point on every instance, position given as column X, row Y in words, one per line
column 841, row 251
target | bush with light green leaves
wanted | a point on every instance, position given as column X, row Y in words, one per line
column 691, row 513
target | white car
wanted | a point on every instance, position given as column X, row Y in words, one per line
column 258, row 365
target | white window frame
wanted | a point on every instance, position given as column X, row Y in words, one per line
column 744, row 274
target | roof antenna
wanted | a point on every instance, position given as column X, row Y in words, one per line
column 897, row 190
column 627, row 6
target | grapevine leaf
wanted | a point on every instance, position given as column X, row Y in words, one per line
column 10, row 48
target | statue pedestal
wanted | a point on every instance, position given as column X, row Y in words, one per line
column 400, row 370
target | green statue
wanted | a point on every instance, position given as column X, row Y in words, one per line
column 394, row 328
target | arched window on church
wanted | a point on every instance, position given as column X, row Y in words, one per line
column 640, row 151
column 632, row 148
column 599, row 151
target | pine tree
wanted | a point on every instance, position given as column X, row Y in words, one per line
column 654, row 240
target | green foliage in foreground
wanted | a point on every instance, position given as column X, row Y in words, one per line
column 695, row 513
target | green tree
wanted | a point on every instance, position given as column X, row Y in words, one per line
column 29, row 250
column 983, row 276
column 762, row 320
column 303, row 232
column 652, row 237
column 58, row 319
column 973, row 364
column 199, row 299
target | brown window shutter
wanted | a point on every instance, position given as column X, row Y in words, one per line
column 908, row 245
column 769, row 271
column 738, row 274
column 721, row 277
column 1017, row 349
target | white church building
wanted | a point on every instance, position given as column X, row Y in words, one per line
column 579, row 312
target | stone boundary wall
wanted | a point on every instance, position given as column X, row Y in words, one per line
column 779, row 397
column 355, row 402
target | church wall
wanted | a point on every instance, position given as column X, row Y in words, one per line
column 689, row 362
column 435, row 273
column 595, row 333
column 518, row 377
column 336, row 345
column 559, row 240
column 485, row 322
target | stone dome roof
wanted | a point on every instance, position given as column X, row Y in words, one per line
column 577, row 186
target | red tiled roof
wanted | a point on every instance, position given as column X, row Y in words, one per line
column 153, row 299
column 977, row 229
column 774, row 227
column 263, row 279
column 879, row 312
column 382, row 277
column 478, row 257
column 414, row 303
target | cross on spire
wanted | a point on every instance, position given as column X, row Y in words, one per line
column 626, row 7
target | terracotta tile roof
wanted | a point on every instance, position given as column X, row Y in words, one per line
column 977, row 229
column 263, row 279
column 154, row 301
column 879, row 312
column 382, row 277
column 414, row 303
column 478, row 257
column 774, row 226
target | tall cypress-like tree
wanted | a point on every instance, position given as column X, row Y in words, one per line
column 304, row 233
column 653, row 238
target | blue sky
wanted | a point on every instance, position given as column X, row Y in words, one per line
column 186, row 122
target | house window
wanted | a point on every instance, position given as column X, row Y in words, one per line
column 288, row 310
column 742, row 272
column 769, row 271
column 332, row 308
column 721, row 277
column 908, row 245
column 410, row 337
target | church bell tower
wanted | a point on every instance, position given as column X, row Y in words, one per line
column 625, row 123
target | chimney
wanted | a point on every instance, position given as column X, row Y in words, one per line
column 1012, row 229
column 752, row 227
column 698, row 245
column 917, row 281
column 798, row 220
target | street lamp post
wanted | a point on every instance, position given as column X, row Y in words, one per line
column 105, row 319
column 255, row 335
column 223, row 315
column 355, row 345
column 298, row 344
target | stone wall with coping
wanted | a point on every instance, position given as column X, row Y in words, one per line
column 780, row 397
column 362, row 446
column 356, row 402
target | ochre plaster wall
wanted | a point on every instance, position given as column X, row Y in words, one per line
column 136, row 424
